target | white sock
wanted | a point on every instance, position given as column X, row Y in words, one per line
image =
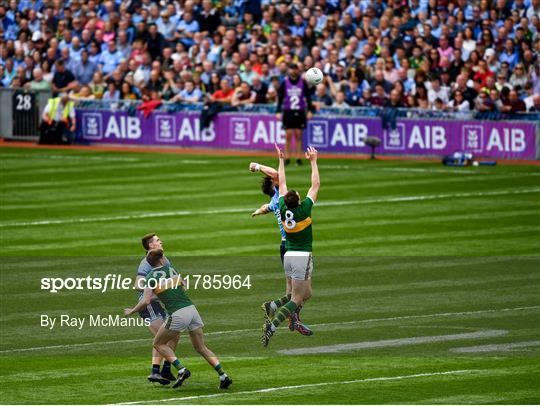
column 222, row 377
column 272, row 327
column 273, row 306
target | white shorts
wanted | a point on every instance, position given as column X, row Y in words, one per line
column 298, row 265
column 186, row 318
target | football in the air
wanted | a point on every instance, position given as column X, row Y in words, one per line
column 314, row 76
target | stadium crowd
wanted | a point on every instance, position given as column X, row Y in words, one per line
column 447, row 55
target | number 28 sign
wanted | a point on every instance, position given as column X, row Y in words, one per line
column 23, row 101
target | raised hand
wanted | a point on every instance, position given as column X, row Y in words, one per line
column 280, row 153
column 311, row 154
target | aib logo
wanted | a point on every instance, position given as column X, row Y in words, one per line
column 165, row 128
column 92, row 128
column 318, row 133
column 472, row 138
column 240, row 129
column 395, row 138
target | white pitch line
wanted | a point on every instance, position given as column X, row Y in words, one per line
column 421, row 316
column 397, row 342
column 247, row 330
column 240, row 210
column 307, row 385
column 496, row 347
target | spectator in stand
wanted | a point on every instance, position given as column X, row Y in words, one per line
column 497, row 103
column 243, row 95
column 84, row 93
column 127, row 93
column 510, row 54
column 39, row 83
column 532, row 103
column 155, row 42
column 519, row 77
column 98, row 85
column 190, row 94
column 353, row 93
column 321, row 98
column 379, row 79
column 482, row 72
column 63, row 80
column 110, row 58
column 261, row 90
column 459, row 103
column 421, row 97
column 209, row 18
column 513, row 104
column 112, row 93
column 484, row 103
column 437, row 92
column 84, row 69
column 340, row 102
column 224, row 94
column 378, row 98
column 187, row 27
column 395, row 100
column 166, row 26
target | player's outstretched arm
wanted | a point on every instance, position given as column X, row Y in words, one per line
column 261, row 210
column 281, row 172
column 266, row 170
column 145, row 301
column 311, row 154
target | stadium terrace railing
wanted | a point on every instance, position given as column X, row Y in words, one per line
column 401, row 131
column 131, row 105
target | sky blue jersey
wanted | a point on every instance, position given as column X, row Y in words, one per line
column 145, row 268
column 274, row 207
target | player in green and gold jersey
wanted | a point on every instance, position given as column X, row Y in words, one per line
column 168, row 285
column 298, row 262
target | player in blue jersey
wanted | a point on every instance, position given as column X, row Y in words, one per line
column 154, row 312
column 294, row 101
column 270, row 188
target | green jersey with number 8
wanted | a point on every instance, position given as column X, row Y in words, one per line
column 297, row 225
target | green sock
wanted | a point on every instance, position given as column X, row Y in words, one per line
column 177, row 364
column 281, row 301
column 284, row 312
column 219, row 369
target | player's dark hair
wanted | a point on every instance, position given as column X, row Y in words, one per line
column 291, row 199
column 267, row 186
column 154, row 257
column 146, row 240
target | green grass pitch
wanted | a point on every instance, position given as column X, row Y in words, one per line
column 426, row 281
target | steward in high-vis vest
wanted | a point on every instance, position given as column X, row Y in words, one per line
column 58, row 125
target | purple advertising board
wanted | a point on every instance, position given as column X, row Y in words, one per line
column 497, row 139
